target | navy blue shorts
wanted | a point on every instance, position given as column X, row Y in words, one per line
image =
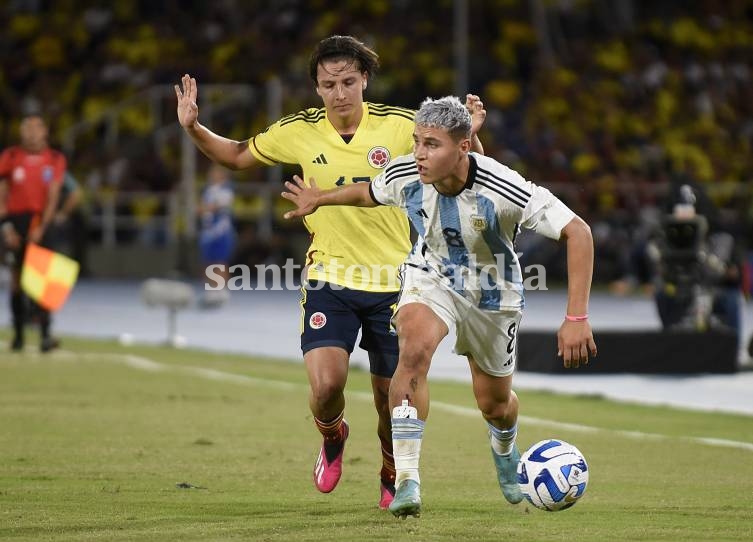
column 333, row 315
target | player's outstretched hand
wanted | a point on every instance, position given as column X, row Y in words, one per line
column 304, row 197
column 476, row 108
column 188, row 109
column 575, row 342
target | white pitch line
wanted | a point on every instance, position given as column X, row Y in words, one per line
column 638, row 435
column 140, row 362
column 146, row 364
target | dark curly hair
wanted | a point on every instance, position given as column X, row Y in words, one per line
column 343, row 48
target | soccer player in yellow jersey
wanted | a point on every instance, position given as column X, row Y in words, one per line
column 351, row 281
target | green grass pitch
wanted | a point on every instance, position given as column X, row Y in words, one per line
column 94, row 441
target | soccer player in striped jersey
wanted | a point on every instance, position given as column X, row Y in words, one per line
column 348, row 141
column 463, row 274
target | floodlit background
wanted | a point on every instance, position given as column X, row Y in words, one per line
column 612, row 105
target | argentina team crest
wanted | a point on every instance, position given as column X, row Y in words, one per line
column 378, row 157
column 478, row 222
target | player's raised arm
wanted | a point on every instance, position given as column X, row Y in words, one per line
column 228, row 152
column 575, row 340
column 308, row 198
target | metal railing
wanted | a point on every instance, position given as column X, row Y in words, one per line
column 176, row 215
column 114, row 217
column 177, row 209
column 158, row 99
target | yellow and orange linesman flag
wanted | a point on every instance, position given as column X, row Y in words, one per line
column 48, row 277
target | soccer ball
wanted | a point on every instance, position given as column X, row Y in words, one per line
column 552, row 475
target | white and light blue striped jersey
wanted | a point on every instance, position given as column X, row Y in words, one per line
column 468, row 239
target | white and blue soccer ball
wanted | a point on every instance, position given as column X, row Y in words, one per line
column 552, row 475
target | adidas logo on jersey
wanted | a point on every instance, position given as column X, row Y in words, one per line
column 319, row 159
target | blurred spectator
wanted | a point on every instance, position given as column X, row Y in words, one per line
column 68, row 229
column 217, row 235
column 603, row 103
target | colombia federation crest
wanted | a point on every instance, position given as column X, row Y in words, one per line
column 378, row 157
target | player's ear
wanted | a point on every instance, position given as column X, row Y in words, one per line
column 365, row 80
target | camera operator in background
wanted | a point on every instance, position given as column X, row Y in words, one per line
column 698, row 265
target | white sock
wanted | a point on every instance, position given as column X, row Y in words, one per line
column 502, row 439
column 407, row 434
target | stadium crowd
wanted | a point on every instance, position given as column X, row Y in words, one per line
column 606, row 105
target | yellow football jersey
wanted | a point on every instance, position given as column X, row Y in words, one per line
column 358, row 248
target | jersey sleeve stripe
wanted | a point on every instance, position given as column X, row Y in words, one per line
column 401, row 176
column 400, row 110
column 505, row 195
column 399, row 166
column 507, row 188
column 312, row 118
column 384, row 107
column 288, row 117
column 392, row 113
column 304, row 113
column 492, row 178
column 253, row 142
column 371, row 193
column 399, row 171
column 394, row 166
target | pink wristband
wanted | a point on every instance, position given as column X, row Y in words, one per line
column 576, row 318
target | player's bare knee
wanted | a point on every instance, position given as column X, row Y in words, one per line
column 326, row 391
column 418, row 322
column 415, row 355
column 416, row 348
column 495, row 407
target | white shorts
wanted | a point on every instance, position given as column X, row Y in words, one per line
column 488, row 336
